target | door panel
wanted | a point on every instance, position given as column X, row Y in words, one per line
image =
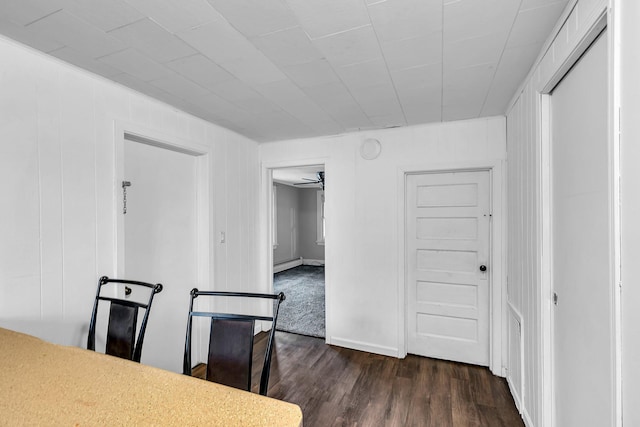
column 448, row 220
column 160, row 242
column 580, row 229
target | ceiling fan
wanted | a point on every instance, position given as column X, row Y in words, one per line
column 319, row 180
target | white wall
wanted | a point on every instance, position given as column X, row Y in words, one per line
column 288, row 224
column 362, row 198
column 57, row 225
column 629, row 14
column 527, row 299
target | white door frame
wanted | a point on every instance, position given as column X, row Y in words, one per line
column 202, row 154
column 203, row 157
column 497, row 292
column 266, row 200
column 545, row 239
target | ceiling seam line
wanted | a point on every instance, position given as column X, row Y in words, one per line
column 252, row 87
column 386, row 66
column 43, row 17
column 493, row 79
column 344, row 128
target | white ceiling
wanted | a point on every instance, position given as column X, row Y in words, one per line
column 281, row 69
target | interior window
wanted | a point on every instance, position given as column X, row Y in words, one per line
column 274, row 217
column 320, row 221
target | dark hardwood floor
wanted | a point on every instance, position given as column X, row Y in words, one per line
column 340, row 387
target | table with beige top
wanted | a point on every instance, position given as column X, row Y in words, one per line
column 48, row 384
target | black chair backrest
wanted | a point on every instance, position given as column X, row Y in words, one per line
column 230, row 352
column 123, row 320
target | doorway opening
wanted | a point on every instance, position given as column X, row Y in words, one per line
column 581, row 315
column 161, row 202
column 449, row 269
column 442, row 229
column 298, row 241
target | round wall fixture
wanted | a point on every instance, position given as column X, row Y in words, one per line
column 370, row 149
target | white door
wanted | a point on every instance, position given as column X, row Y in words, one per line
column 160, row 242
column 580, row 234
column 448, row 269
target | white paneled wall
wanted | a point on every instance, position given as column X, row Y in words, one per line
column 363, row 201
column 57, row 165
column 525, row 298
column 523, row 256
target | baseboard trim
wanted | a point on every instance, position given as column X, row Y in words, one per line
column 295, row 263
column 286, row 265
column 262, row 326
column 514, row 395
column 527, row 419
column 364, row 346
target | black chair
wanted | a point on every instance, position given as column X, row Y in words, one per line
column 230, row 352
column 123, row 320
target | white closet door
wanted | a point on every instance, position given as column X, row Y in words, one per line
column 581, row 238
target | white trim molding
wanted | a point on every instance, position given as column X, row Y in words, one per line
column 595, row 22
column 364, row 346
column 202, row 153
column 267, row 269
column 287, row 265
column 204, row 201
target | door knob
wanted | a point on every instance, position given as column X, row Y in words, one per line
column 483, row 268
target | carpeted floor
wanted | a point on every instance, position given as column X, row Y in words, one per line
column 303, row 310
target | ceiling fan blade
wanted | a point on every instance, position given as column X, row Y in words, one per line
column 307, row 183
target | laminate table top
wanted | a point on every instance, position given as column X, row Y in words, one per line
column 48, row 384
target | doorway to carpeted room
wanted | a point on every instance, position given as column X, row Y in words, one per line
column 303, row 311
